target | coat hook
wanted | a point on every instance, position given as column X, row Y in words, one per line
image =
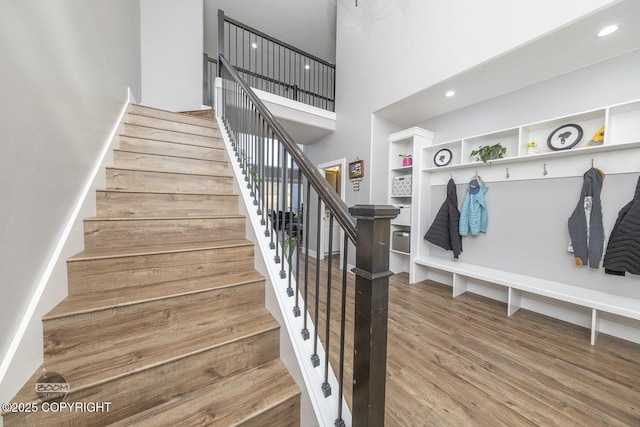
column 545, row 170
column 507, row 176
column 591, row 162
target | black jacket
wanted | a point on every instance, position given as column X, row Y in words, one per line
column 623, row 249
column 444, row 231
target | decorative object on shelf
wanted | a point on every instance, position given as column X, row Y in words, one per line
column 598, row 138
column 532, row 147
column 565, row 137
column 442, row 157
column 356, row 173
column 407, row 160
column 489, row 152
column 444, row 230
column 586, row 229
column 401, row 186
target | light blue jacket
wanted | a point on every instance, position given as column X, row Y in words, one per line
column 473, row 216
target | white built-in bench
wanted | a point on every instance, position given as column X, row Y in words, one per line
column 518, row 284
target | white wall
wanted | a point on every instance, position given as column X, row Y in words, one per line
column 386, row 51
column 171, row 52
column 66, row 66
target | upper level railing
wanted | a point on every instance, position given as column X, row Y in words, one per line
column 290, row 197
column 274, row 66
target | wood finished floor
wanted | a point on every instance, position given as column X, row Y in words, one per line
column 463, row 362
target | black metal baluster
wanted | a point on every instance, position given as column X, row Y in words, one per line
column 283, row 208
column 326, row 387
column 289, row 227
column 277, row 209
column 272, row 213
column 305, row 329
column 343, row 321
column 299, row 241
column 315, row 359
column 253, row 169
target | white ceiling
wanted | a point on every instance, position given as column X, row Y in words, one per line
column 562, row 51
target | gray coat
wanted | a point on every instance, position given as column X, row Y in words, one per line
column 623, row 249
column 444, row 230
column 585, row 224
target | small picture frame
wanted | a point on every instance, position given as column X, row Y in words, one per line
column 564, row 137
column 442, row 157
column 356, row 169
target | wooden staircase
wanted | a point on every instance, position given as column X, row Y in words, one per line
column 165, row 317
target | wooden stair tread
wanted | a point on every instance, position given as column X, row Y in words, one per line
column 163, row 218
column 169, row 115
column 169, row 156
column 166, row 182
column 171, row 125
column 247, row 395
column 125, row 358
column 138, row 131
column 114, row 298
column 146, row 204
column 223, row 175
column 90, row 254
column 161, row 193
column 177, row 149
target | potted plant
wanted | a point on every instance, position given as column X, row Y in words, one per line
column 406, row 159
column 489, row 152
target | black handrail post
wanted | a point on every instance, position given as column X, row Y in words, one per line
column 371, row 312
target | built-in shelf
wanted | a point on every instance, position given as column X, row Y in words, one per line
column 621, row 128
column 617, row 154
column 404, row 180
column 539, row 156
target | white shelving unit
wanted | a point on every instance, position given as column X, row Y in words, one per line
column 619, row 154
column 412, row 142
column 622, row 132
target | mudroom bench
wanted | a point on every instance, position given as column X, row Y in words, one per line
column 518, row 285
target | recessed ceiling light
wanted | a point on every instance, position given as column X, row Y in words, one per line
column 306, row 67
column 608, row 30
column 450, row 93
column 254, row 45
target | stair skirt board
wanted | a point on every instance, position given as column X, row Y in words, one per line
column 165, row 316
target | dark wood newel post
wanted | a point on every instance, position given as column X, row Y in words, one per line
column 371, row 312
